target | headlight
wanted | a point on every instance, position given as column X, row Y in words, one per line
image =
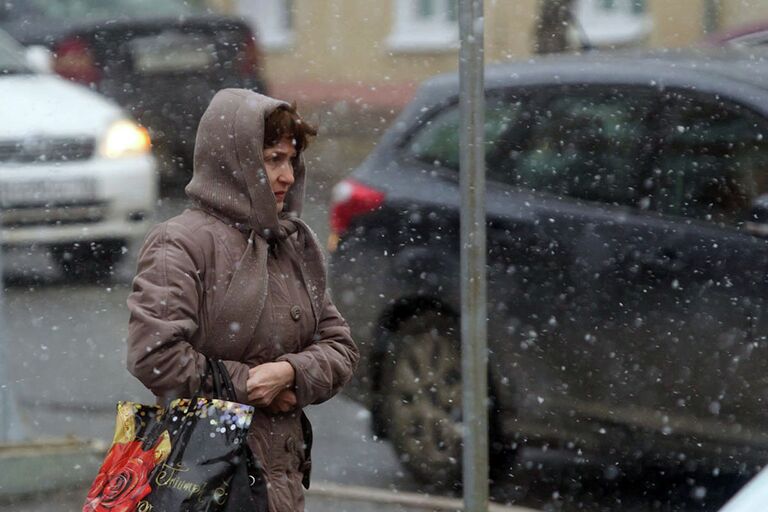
column 125, row 138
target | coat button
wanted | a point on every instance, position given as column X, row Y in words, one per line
column 296, row 313
column 290, row 444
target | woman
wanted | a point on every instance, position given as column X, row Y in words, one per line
column 241, row 278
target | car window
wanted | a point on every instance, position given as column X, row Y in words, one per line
column 588, row 144
column 713, row 160
column 12, row 59
column 437, row 141
column 16, row 10
column 96, row 9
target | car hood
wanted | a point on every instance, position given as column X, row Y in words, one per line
column 46, row 105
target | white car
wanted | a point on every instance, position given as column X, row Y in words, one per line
column 753, row 497
column 76, row 172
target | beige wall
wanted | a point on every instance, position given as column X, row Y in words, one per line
column 344, row 41
column 740, row 12
column 510, row 28
column 681, row 22
column 676, row 22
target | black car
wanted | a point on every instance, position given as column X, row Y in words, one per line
column 627, row 263
column 162, row 60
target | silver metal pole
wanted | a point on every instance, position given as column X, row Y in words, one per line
column 11, row 429
column 473, row 255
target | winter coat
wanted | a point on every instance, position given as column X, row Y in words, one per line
column 232, row 263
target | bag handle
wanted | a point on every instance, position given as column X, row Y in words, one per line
column 228, row 389
column 222, row 383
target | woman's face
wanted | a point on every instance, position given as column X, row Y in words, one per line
column 278, row 162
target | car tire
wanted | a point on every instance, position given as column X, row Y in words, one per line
column 93, row 262
column 422, row 398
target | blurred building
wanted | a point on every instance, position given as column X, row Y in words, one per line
column 372, row 53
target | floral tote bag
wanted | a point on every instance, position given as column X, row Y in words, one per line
column 188, row 457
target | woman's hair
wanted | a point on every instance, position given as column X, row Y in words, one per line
column 285, row 121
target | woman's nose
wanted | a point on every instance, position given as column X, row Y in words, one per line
column 286, row 176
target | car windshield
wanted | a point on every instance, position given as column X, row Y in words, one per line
column 98, row 9
column 11, row 57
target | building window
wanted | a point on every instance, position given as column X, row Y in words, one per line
column 613, row 22
column 272, row 19
column 424, row 25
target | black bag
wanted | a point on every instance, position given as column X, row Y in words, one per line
column 189, row 457
column 249, row 487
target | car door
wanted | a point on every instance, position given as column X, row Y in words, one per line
column 580, row 169
column 700, row 286
column 436, row 145
column 513, row 250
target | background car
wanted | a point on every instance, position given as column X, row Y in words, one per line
column 626, row 264
column 752, row 497
column 76, row 172
column 162, row 60
column 751, row 36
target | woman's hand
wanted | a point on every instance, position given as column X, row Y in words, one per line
column 285, row 401
column 267, row 380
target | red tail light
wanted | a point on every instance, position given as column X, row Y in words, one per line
column 349, row 200
column 249, row 58
column 74, row 61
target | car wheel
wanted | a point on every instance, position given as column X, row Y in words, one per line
column 94, row 261
column 423, row 399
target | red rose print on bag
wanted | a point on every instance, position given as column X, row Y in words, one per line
column 123, row 478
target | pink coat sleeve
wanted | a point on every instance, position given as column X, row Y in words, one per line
column 164, row 307
column 328, row 363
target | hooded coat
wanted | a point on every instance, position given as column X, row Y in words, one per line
column 234, row 280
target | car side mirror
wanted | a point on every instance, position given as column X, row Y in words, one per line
column 40, row 59
column 757, row 223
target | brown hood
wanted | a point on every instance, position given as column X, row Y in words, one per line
column 229, row 179
column 230, row 183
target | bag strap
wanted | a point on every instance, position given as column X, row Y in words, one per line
column 218, row 380
column 228, row 389
column 219, row 391
column 306, row 430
